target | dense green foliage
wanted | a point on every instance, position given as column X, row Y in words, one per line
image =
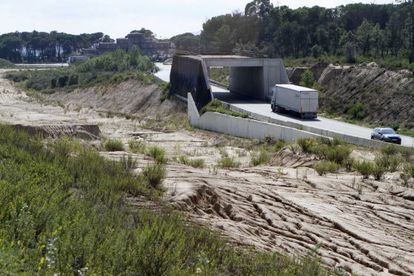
column 351, row 31
column 64, row 211
column 36, row 46
column 110, row 68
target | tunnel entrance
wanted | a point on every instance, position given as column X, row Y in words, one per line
column 248, row 77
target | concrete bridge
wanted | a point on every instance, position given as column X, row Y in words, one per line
column 249, row 77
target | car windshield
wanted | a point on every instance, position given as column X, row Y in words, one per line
column 387, row 131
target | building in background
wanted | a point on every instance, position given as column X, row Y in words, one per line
column 156, row 49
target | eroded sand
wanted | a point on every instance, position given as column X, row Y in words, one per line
column 364, row 227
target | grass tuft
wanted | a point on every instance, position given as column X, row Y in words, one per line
column 324, row 167
column 195, row 163
column 114, row 145
column 227, row 162
column 157, row 153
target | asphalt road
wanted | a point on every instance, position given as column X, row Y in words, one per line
column 263, row 108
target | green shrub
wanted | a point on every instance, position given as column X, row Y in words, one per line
column 114, row 145
column 389, row 162
column 195, row 163
column 263, row 157
column 307, row 79
column 378, row 171
column 364, row 167
column 306, row 144
column 409, row 169
column 325, row 167
column 137, row 146
column 157, row 153
column 389, row 150
column 357, row 111
column 228, row 162
column 154, row 175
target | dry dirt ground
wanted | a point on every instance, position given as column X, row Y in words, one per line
column 360, row 226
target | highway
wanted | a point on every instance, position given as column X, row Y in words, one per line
column 263, row 108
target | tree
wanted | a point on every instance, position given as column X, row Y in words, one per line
column 307, row 79
column 364, row 36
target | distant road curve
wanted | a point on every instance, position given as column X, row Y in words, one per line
column 264, row 109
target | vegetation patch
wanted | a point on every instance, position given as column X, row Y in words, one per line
column 227, row 162
column 112, row 68
column 5, row 64
column 218, row 106
column 157, row 153
column 114, row 145
column 64, row 212
column 136, row 146
column 259, row 158
column 324, row 167
column 195, row 163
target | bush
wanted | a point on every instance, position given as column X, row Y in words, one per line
column 307, row 79
column 389, row 162
column 157, row 153
column 154, row 175
column 357, row 111
column 137, row 146
column 378, row 171
column 331, row 150
column 306, row 144
column 263, row 157
column 324, row 167
column 114, row 145
column 364, row 167
column 228, row 162
column 195, row 163
column 409, row 169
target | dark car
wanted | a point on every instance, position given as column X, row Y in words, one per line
column 386, row 135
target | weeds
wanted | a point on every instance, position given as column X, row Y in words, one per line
column 324, row 167
column 114, row 145
column 195, row 163
column 136, row 146
column 227, row 162
column 365, row 168
column 157, row 153
column 263, row 157
column 154, row 175
column 218, row 106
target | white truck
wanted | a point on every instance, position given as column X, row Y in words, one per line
column 294, row 98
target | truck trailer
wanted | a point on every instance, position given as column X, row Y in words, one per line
column 294, row 98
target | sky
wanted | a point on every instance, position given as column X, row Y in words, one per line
column 118, row 17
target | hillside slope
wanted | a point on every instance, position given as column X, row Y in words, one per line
column 387, row 97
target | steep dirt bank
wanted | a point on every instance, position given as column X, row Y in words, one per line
column 364, row 227
column 387, row 96
column 129, row 97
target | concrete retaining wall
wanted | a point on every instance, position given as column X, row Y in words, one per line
column 322, row 132
column 242, row 127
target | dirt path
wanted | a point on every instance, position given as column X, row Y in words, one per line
column 363, row 227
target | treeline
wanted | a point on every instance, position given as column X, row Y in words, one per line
column 32, row 47
column 352, row 30
column 111, row 68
